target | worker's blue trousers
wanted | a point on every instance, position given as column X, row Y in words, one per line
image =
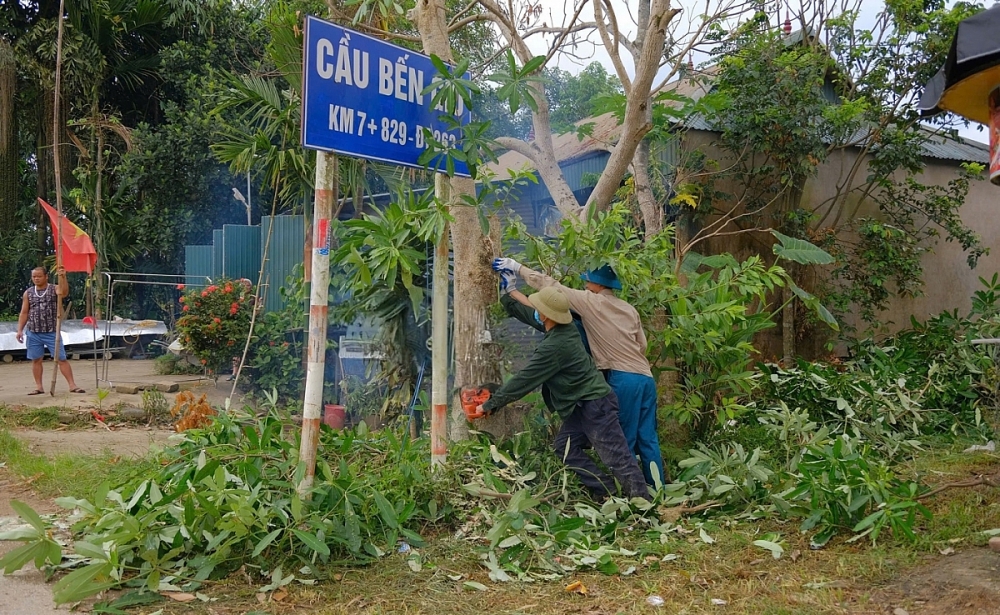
column 637, row 414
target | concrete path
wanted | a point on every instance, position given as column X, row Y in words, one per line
column 24, row 592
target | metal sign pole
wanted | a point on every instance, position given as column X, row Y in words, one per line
column 439, row 347
column 326, row 194
column 364, row 97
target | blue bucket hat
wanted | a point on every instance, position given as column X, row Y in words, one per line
column 603, row 275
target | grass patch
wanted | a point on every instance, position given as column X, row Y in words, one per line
column 67, row 475
column 49, row 417
column 748, row 579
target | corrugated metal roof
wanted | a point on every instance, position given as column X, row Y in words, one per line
column 937, row 145
column 606, row 132
column 946, row 148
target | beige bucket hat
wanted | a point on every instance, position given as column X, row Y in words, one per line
column 552, row 304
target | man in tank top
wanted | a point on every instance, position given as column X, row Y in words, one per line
column 38, row 320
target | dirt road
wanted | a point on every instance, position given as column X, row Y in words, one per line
column 124, row 374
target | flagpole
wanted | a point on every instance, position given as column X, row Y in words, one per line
column 93, row 330
column 56, row 138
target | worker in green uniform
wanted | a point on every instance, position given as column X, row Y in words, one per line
column 618, row 345
column 574, row 389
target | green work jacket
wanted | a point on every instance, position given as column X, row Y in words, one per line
column 560, row 365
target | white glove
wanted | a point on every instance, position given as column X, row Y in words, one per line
column 508, row 281
column 499, row 264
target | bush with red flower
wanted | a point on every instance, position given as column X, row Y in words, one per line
column 215, row 321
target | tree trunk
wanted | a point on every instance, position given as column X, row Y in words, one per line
column 787, row 327
column 8, row 137
column 548, row 169
column 652, row 213
column 475, row 292
column 635, row 124
column 475, row 282
column 652, row 220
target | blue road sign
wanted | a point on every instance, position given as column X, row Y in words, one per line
column 364, row 97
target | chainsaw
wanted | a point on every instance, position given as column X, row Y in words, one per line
column 475, row 397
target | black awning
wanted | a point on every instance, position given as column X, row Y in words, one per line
column 971, row 71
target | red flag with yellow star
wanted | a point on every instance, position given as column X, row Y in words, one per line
column 78, row 251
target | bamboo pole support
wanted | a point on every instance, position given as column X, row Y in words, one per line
column 56, row 164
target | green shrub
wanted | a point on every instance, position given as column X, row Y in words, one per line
column 275, row 361
column 842, row 486
column 927, row 379
column 728, row 471
column 751, row 435
column 276, row 349
column 215, row 322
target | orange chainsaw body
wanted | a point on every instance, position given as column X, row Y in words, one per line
column 472, row 399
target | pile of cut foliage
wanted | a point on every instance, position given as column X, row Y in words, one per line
column 817, row 442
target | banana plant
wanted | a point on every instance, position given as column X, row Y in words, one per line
column 804, row 253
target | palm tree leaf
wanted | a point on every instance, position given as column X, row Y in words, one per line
column 285, row 48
